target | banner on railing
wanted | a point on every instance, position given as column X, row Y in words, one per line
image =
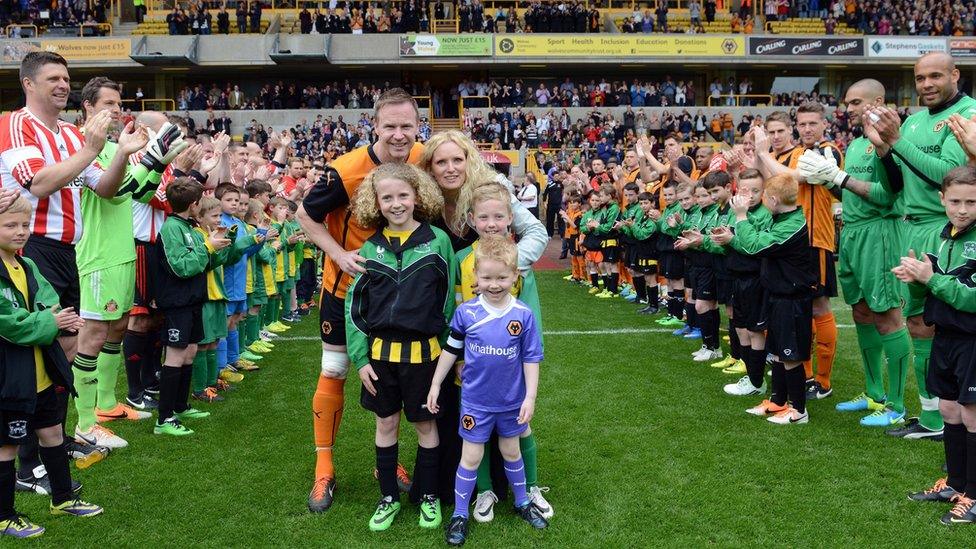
column 445, row 45
column 72, row 49
column 909, row 46
column 832, row 47
column 962, row 47
column 525, row 45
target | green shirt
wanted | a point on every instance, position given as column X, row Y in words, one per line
column 107, row 239
column 926, row 152
column 861, row 163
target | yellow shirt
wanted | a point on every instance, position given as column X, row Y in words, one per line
column 396, row 236
column 19, row 278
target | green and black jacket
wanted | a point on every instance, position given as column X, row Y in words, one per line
column 787, row 268
column 736, row 262
column 398, row 310
column 950, row 302
column 24, row 326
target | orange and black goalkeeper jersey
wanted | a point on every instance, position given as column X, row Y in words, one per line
column 816, row 200
column 328, row 200
column 572, row 227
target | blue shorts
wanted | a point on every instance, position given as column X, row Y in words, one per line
column 236, row 307
column 476, row 426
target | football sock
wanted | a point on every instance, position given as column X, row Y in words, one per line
column 463, row 486
column 930, row 418
column 515, row 471
column 954, row 439
column 735, row 347
column 640, row 286
column 796, row 388
column 826, row 344
column 265, row 314
column 425, row 471
column 970, row 464
column 327, row 406
column 869, row 340
column 233, row 347
column 84, row 367
column 8, row 484
column 594, row 280
column 709, row 322
column 107, row 369
column 135, row 349
column 779, row 392
column 253, row 328
column 199, row 371
column 213, row 366
column 897, row 349
column 55, row 460
column 386, row 467
column 484, row 471
column 529, row 456
column 154, row 362
column 221, row 352
column 614, row 282
column 651, row 294
column 169, row 385
column 183, row 394
column 675, row 303
column 755, row 360
column 691, row 317
column 808, row 363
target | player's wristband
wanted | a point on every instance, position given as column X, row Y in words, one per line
column 841, row 178
column 198, row 176
column 152, row 163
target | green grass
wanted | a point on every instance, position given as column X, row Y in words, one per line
column 640, row 446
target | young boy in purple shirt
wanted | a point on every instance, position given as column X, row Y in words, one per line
column 502, row 349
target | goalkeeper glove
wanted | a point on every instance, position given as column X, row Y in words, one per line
column 818, row 169
column 163, row 147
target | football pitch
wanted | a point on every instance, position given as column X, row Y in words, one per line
column 640, row 446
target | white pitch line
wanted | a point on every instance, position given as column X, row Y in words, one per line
column 622, row 331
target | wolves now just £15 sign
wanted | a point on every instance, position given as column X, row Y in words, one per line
column 445, row 45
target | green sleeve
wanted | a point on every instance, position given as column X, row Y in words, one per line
column 880, row 195
column 450, row 300
column 140, row 182
column 23, row 327
column 752, row 242
column 930, row 169
column 266, row 254
column 186, row 261
column 612, row 215
column 953, row 291
column 584, row 220
column 643, row 229
column 357, row 307
column 236, row 250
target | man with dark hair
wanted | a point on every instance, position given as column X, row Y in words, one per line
column 106, row 259
column 324, row 217
column 51, row 163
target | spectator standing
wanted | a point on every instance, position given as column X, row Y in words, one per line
column 223, row 21
column 241, row 14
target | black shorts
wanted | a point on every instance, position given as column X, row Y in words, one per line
column 952, row 368
column 50, row 409
column 671, row 265
column 182, row 327
column 703, row 284
column 723, row 290
column 147, row 261
column 788, row 334
column 826, row 267
column 748, row 304
column 611, row 254
column 400, row 387
column 332, row 319
column 575, row 249
column 645, row 266
column 56, row 262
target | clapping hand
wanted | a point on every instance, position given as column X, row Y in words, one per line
column 911, row 269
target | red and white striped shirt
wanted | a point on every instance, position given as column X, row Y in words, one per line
column 28, row 146
column 147, row 219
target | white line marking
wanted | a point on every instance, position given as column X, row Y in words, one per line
column 620, row 331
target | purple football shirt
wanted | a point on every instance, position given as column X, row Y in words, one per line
column 496, row 343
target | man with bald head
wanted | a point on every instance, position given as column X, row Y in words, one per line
column 869, row 247
column 920, row 152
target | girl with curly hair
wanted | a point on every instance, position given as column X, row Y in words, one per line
column 396, row 322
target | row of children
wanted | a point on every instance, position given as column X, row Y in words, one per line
column 405, row 333
column 710, row 248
